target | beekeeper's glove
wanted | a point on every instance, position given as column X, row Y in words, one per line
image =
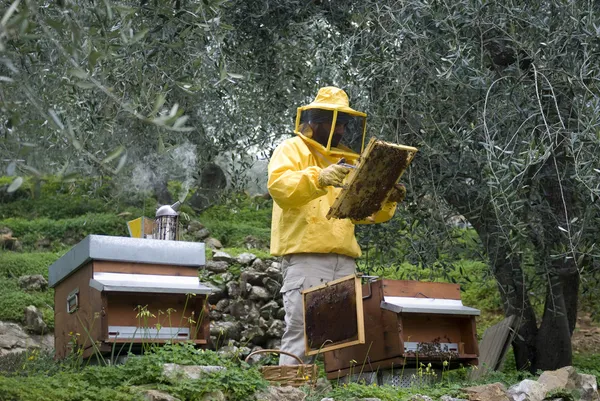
column 332, row 175
column 397, row 194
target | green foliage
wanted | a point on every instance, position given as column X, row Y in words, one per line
column 563, row 394
column 36, row 187
column 30, row 363
column 587, row 363
column 57, row 207
column 389, row 393
column 64, row 387
column 259, row 253
column 14, row 265
column 239, row 381
column 14, row 300
column 238, row 218
column 69, row 230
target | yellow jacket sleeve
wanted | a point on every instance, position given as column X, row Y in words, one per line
column 292, row 180
column 385, row 214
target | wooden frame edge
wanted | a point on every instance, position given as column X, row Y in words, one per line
column 360, row 322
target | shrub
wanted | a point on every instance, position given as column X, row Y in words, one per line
column 238, row 218
column 70, row 231
column 14, row 301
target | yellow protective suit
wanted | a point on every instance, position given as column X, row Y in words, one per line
column 299, row 224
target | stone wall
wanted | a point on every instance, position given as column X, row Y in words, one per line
column 246, row 308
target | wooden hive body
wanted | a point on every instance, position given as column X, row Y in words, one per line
column 111, row 291
column 406, row 323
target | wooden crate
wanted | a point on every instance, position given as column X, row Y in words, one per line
column 392, row 330
column 113, row 290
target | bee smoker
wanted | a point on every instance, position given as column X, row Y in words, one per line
column 166, row 223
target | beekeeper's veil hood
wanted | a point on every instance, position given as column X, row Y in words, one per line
column 331, row 108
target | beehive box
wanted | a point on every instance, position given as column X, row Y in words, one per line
column 119, row 290
column 405, row 323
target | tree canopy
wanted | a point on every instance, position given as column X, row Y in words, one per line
column 501, row 98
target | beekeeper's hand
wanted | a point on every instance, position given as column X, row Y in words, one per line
column 397, row 194
column 332, row 175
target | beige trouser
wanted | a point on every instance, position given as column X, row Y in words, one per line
column 302, row 271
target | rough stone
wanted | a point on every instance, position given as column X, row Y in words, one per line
column 280, row 314
column 566, row 378
column 234, row 290
column 275, row 274
column 273, row 286
column 246, row 258
column 487, row 392
column 420, row 397
column 259, row 265
column 229, row 352
column 217, row 293
column 269, row 309
column 253, row 242
column 259, row 294
column 230, row 330
column 36, row 282
column 264, row 324
column 215, row 315
column 273, row 343
column 589, row 387
column 13, row 339
column 213, row 243
column 254, row 334
column 216, row 266
column 244, row 310
column 223, row 305
column 176, row 372
column 527, row 390
column 213, row 396
column 276, row 329
column 252, row 276
column 221, row 256
column 287, row 393
column 194, row 225
column 201, row 234
column 276, row 265
column 156, row 395
column 448, row 398
column 34, row 321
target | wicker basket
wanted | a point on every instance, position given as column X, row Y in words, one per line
column 288, row 375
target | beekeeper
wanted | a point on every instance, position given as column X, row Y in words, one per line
column 305, row 177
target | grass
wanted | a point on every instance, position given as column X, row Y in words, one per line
column 238, row 218
column 36, row 376
column 14, row 300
